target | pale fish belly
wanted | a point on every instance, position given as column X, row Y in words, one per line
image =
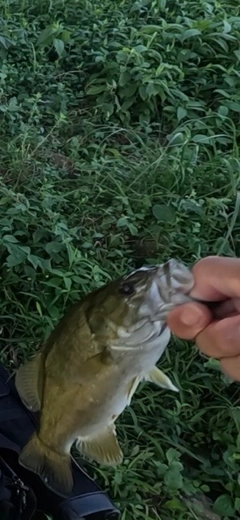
column 108, row 401
column 113, row 392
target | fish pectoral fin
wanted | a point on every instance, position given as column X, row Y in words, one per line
column 27, row 383
column 132, row 388
column 52, row 467
column 104, row 448
column 157, row 377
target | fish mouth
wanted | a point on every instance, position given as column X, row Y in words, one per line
column 174, row 282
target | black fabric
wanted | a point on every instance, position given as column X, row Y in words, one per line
column 22, row 493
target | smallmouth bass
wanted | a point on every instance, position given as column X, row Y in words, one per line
column 88, row 370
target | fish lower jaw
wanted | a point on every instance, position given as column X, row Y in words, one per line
column 148, row 351
column 177, row 299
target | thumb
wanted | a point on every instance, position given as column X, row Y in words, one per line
column 188, row 320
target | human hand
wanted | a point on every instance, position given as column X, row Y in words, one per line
column 217, row 335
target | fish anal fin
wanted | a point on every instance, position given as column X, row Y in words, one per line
column 27, row 383
column 52, row 467
column 104, row 448
column 157, row 377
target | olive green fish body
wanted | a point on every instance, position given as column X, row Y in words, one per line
column 101, row 393
column 87, row 372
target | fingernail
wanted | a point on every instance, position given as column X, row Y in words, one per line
column 191, row 316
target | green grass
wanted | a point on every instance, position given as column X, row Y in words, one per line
column 119, row 145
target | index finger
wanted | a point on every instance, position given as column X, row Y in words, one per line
column 216, row 278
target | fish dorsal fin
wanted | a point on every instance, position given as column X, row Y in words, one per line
column 103, row 448
column 28, row 383
column 157, row 377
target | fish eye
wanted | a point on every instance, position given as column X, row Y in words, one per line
column 127, row 289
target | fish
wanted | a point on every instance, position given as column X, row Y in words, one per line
column 86, row 373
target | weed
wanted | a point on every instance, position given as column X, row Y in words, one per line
column 119, row 146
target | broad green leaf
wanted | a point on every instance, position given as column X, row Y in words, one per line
column 122, row 56
column 237, row 53
column 162, row 4
column 13, row 105
column 192, row 206
column 175, row 505
column 6, row 42
column 59, row 46
column 172, row 454
column 190, row 33
column 115, row 152
column 13, row 260
column 18, row 250
column 133, row 229
column 108, row 109
column 124, row 78
column 223, row 506
column 176, row 465
column 223, row 110
column 237, row 504
column 143, row 92
column 161, row 469
column 173, row 479
column 65, row 36
column 46, row 36
column 30, row 272
column 95, row 89
column 35, row 261
column 54, row 247
column 140, row 48
column 181, row 113
column 176, row 139
column 163, row 212
column 200, row 138
column 149, row 29
column 10, row 238
column 118, row 477
column 122, row 222
column 233, row 106
column 152, row 89
column 39, row 234
column 223, row 93
column 68, row 283
column 129, row 90
column 227, row 26
column 53, row 282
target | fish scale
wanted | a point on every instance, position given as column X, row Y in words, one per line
column 122, row 379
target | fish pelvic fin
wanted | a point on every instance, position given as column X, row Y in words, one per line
column 27, row 383
column 52, row 467
column 104, row 448
column 157, row 377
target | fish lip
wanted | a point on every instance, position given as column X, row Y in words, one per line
column 178, row 277
column 175, row 281
column 166, row 308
